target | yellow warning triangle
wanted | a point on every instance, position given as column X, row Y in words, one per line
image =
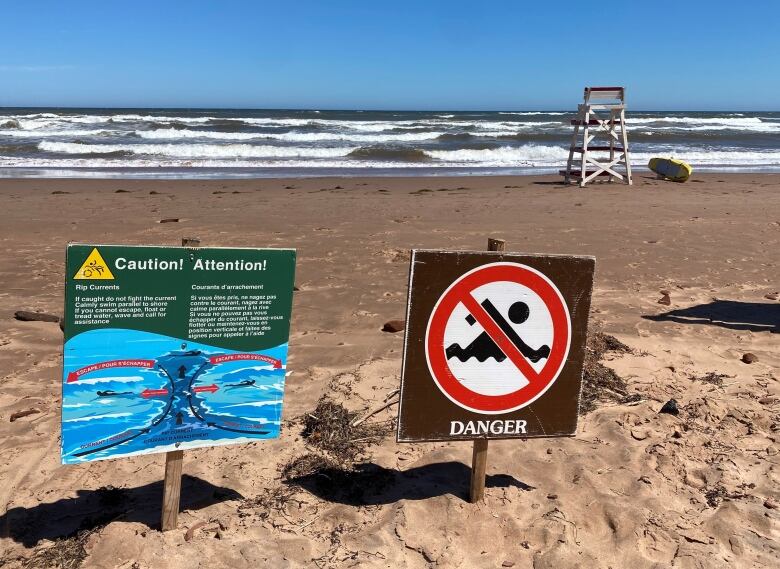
column 94, row 268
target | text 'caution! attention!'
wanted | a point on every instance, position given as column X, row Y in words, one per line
column 172, row 348
column 494, row 345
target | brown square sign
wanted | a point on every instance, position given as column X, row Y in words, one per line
column 494, row 345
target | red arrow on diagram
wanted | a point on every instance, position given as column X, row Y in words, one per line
column 212, row 388
column 147, row 393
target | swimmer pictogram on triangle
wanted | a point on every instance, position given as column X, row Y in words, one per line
column 94, row 268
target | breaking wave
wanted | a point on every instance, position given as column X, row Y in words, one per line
column 384, row 153
column 521, row 141
column 195, row 150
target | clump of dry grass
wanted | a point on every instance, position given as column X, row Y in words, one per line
column 599, row 382
column 64, row 553
column 330, row 428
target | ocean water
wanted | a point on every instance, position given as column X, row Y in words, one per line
column 181, row 402
column 261, row 143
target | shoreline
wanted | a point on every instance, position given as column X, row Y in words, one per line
column 406, row 171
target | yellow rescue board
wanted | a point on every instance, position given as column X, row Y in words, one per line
column 671, row 169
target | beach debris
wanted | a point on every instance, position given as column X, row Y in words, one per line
column 25, row 413
column 712, row 377
column 154, row 193
column 670, row 407
column 749, row 358
column 121, row 191
column 771, row 504
column 599, row 382
column 329, row 427
column 192, row 529
column 64, row 553
column 772, row 296
column 170, row 220
column 394, row 326
column 29, row 316
column 632, row 399
column 59, row 192
column 376, row 410
column 305, row 465
column 665, row 298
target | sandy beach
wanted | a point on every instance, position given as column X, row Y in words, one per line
column 635, row 488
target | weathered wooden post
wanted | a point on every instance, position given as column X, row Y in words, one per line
column 479, row 456
column 173, row 461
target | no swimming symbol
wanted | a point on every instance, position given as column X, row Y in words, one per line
column 498, row 338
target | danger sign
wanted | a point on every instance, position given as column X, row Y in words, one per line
column 494, row 345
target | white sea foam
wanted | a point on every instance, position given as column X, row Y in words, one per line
column 529, row 156
column 97, row 417
column 254, row 404
column 173, row 134
column 504, row 156
column 117, row 379
column 196, row 150
column 42, row 133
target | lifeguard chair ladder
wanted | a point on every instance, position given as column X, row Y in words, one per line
column 602, row 120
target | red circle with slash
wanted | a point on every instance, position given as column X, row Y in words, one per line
column 460, row 292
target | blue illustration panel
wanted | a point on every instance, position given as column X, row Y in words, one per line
column 128, row 392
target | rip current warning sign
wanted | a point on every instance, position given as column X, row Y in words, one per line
column 172, row 348
column 494, row 345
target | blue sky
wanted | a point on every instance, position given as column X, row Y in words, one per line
column 448, row 55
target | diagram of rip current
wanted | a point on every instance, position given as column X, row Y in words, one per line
column 182, row 369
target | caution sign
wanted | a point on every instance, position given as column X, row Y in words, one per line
column 94, row 268
column 495, row 344
column 172, row 348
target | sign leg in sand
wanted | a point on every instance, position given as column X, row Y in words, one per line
column 494, row 348
column 169, row 349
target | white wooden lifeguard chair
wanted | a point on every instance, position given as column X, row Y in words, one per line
column 592, row 120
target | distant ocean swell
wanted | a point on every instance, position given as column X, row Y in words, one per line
column 266, row 143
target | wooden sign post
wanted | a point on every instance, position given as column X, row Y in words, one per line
column 479, row 455
column 494, row 348
column 173, row 462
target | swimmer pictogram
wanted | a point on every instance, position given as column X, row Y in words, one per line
column 94, row 268
column 498, row 338
column 483, row 346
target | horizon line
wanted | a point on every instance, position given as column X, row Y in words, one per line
column 375, row 110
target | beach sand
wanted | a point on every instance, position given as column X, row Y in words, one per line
column 634, row 488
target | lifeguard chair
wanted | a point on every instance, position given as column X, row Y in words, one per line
column 603, row 121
